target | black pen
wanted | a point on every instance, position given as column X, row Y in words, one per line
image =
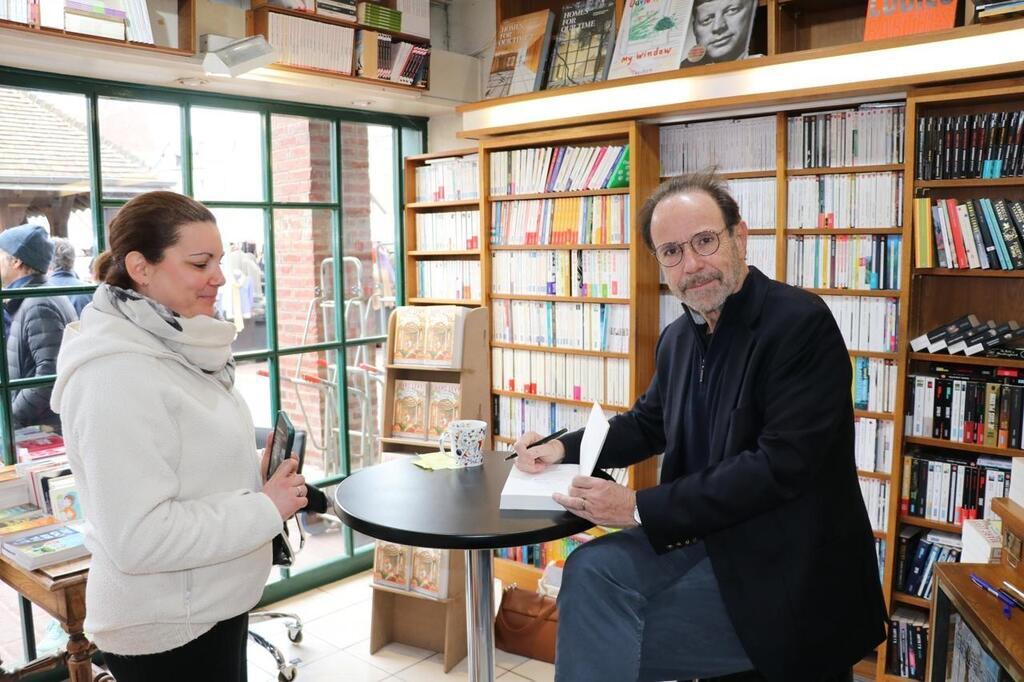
column 543, row 440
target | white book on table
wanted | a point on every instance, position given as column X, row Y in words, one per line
column 533, row 491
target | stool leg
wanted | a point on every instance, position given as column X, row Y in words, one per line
column 480, row 614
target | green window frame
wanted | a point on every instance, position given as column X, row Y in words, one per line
column 409, row 137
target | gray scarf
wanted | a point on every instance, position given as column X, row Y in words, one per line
column 202, row 340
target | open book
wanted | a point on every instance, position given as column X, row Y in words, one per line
column 533, row 491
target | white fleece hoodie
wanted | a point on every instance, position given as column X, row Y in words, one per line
column 163, row 455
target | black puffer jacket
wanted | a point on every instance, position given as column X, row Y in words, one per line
column 37, row 327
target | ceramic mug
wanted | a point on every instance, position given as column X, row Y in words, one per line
column 465, row 440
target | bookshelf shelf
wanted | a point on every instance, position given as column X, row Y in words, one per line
column 559, row 195
column 873, row 415
column 559, row 299
column 874, row 474
column 928, row 523
column 523, row 575
column 410, row 368
column 765, row 231
column 911, row 600
column 1017, row 181
column 874, row 354
column 561, row 247
column 946, row 272
column 435, row 205
column 560, row 401
column 892, row 293
column 445, row 254
column 841, row 231
column 967, row 360
column 964, row 447
column 566, row 351
column 880, row 168
column 880, row 534
column 737, row 175
column 415, row 595
column 186, row 33
column 444, row 301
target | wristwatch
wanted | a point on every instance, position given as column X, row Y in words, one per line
column 636, row 515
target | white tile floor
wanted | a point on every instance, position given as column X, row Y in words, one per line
column 335, row 644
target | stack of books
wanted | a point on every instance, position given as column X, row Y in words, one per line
column 50, row 546
column 379, row 16
column 337, row 9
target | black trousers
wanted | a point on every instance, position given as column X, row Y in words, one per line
column 216, row 656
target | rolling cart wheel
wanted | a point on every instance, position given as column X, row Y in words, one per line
column 286, row 673
column 295, row 634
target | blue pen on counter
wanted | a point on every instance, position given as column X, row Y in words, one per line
column 543, row 440
column 1007, row 602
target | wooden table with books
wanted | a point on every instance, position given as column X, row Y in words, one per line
column 60, row 591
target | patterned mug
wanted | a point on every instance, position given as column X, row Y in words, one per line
column 466, row 440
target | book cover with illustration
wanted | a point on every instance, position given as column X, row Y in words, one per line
column 719, row 31
column 520, row 54
column 442, row 336
column 886, row 19
column 408, row 342
column 391, row 565
column 410, row 409
column 651, row 37
column 584, row 43
column 43, row 549
column 430, row 572
column 443, row 407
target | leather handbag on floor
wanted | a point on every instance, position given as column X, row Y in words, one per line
column 526, row 624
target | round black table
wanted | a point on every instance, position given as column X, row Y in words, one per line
column 451, row 509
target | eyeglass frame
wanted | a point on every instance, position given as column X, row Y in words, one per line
column 682, row 247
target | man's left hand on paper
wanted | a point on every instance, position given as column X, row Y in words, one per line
column 602, row 502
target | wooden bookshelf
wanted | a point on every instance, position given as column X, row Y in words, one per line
column 567, row 351
column 412, row 209
column 964, row 447
column 186, row 34
column 845, row 170
column 947, row 359
column 558, row 195
column 928, row 523
column 843, row 231
column 257, row 23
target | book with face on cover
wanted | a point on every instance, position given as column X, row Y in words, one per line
column 391, row 565
column 651, row 37
column 583, row 45
column 442, row 408
column 410, row 409
column 719, row 31
column 520, row 54
column 429, row 573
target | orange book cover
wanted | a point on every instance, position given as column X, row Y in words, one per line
column 889, row 18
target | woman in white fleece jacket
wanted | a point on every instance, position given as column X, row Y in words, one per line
column 180, row 521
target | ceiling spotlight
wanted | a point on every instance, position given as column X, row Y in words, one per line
column 238, row 57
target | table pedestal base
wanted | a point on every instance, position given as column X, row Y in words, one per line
column 480, row 614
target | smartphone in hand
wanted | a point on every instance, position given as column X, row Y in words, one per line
column 284, row 441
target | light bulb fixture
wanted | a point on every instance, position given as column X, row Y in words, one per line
column 239, row 56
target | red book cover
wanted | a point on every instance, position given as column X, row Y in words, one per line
column 949, row 206
column 887, row 19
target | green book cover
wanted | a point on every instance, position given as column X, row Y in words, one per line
column 620, row 176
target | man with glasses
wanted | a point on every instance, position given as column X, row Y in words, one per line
column 755, row 551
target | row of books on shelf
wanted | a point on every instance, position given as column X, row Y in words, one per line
column 969, row 336
column 116, row 19
column 346, row 10
column 907, row 652
column 866, row 323
column 448, row 230
column 416, row 569
column 871, row 134
column 381, row 56
column 423, row 409
column 917, row 552
column 873, row 442
column 745, row 144
column 976, row 233
column 559, row 169
column 540, row 554
column 874, row 384
column 595, row 273
column 566, row 220
column 854, row 262
column 846, row 200
column 962, row 410
column 406, row 16
column 756, row 200
column 451, row 178
column 948, row 489
column 580, row 326
column 876, row 500
column 512, row 417
column 979, row 145
column 761, row 254
column 449, row 279
column 557, row 375
column 429, row 335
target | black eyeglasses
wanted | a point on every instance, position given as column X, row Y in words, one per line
column 670, row 254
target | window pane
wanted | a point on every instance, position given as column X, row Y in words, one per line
column 33, row 333
column 44, row 165
column 309, row 394
column 140, row 147
column 301, row 158
column 365, row 374
column 227, row 157
column 305, row 277
column 368, row 229
column 241, row 299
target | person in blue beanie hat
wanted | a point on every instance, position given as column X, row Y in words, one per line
column 34, row 326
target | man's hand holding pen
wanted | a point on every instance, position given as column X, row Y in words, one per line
column 535, row 458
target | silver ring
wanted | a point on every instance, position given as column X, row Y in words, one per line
column 584, row 507
column 298, row 491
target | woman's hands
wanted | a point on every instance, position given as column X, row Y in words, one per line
column 286, row 488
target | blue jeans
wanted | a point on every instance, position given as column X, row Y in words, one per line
column 626, row 613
